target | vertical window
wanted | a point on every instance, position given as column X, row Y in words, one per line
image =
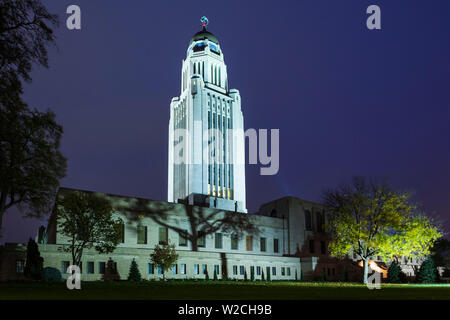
column 150, row 268
column 234, row 242
column 142, row 235
column 20, row 265
column 311, row 246
column 183, row 268
column 174, row 269
column 64, row 266
column 252, row 270
column 204, row 269
column 90, row 267
column 275, row 245
column 160, row 270
column 196, row 268
column 101, row 267
column 258, row 270
column 120, row 230
column 267, row 271
column 218, row 240
column 283, row 271
column 241, row 270
column 182, row 241
column 274, row 271
column 235, row 270
column 201, row 242
column 323, row 248
column 216, row 269
column 262, row 244
column 288, row 272
column 320, row 221
column 163, row 235
column 308, row 221
column 249, row 243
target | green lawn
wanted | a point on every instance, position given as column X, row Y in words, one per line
column 219, row 290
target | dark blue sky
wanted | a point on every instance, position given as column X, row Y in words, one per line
column 348, row 101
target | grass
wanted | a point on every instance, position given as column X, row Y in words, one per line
column 221, row 290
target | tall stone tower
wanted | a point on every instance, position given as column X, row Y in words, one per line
column 206, row 136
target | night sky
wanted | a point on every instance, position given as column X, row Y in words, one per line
column 347, row 100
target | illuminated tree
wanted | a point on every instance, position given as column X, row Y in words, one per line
column 165, row 256
column 371, row 219
column 87, row 221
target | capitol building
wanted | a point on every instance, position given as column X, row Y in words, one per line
column 206, row 174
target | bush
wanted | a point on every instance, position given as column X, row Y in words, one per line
column 51, row 275
column 394, row 273
column 34, row 262
column 427, row 272
column 134, row 274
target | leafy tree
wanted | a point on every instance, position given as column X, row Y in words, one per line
column 134, row 274
column 164, row 256
column 34, row 262
column 371, row 219
column 31, row 164
column 427, row 272
column 111, row 273
column 202, row 221
column 86, row 220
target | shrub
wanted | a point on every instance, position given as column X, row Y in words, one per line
column 427, row 272
column 134, row 274
column 34, row 262
column 51, row 275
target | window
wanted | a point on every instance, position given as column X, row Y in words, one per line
column 20, row 265
column 120, row 229
column 182, row 241
column 249, row 243
column 204, row 269
column 150, row 268
column 142, row 235
column 101, row 267
column 275, row 245
column 258, row 271
column 160, row 270
column 218, row 240
column 235, row 270
column 268, row 271
column 90, row 267
column 323, row 248
column 196, row 268
column 216, row 269
column 182, row 268
column 174, row 269
column 308, row 220
column 241, row 270
column 163, row 235
column 288, row 271
column 283, row 271
column 201, row 241
column 320, row 221
column 252, row 270
column 311, row 246
column 274, row 271
column 234, row 242
column 64, row 266
column 262, row 244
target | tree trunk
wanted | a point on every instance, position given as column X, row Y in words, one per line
column 366, row 269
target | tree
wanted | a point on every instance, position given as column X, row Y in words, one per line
column 202, row 221
column 134, row 274
column 165, row 256
column 206, row 274
column 427, row 272
column 245, row 275
column 31, row 164
column 440, row 253
column 394, row 272
column 34, row 262
column 111, row 273
column 215, row 275
column 262, row 275
column 372, row 219
column 86, row 220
